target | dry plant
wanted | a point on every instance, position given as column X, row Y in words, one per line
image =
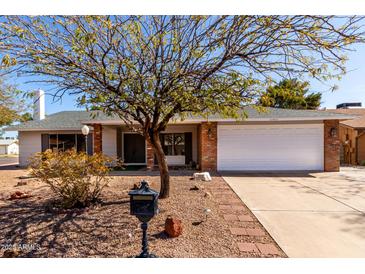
column 77, row 178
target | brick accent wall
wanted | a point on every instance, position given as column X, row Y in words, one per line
column 150, row 156
column 98, row 138
column 331, row 146
column 208, row 146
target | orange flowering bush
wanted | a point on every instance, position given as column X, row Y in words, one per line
column 77, row 178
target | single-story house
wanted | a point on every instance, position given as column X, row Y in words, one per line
column 352, row 136
column 274, row 140
column 9, row 146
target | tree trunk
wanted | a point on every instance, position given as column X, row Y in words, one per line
column 162, row 165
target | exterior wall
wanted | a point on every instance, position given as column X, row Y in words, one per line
column 3, row 150
column 29, row 143
column 109, row 137
column 98, row 138
column 204, row 145
column 331, row 146
column 208, row 146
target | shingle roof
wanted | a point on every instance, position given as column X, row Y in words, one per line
column 357, row 122
column 64, row 120
column 72, row 120
column 282, row 114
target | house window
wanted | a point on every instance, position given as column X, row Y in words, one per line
column 173, row 143
column 64, row 142
column 53, row 142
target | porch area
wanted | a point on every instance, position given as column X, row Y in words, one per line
column 191, row 146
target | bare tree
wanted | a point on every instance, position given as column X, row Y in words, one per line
column 152, row 69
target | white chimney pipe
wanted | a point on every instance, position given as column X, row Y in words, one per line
column 39, row 112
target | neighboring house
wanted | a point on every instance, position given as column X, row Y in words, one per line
column 9, row 146
column 352, row 135
column 275, row 140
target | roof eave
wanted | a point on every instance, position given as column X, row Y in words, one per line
column 44, row 129
column 191, row 121
column 319, row 118
column 352, row 126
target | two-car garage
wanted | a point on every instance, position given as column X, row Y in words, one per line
column 269, row 147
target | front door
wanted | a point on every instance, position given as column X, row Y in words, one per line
column 134, row 148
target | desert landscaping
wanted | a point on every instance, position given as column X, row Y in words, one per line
column 108, row 229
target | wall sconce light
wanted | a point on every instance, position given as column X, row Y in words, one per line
column 209, row 133
column 333, row 132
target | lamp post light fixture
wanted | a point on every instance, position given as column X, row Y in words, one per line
column 85, row 131
column 333, row 132
column 143, row 205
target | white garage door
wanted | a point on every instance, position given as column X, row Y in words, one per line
column 270, row 147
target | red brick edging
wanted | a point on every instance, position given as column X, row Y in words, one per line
column 252, row 237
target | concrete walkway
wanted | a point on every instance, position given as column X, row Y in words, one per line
column 309, row 215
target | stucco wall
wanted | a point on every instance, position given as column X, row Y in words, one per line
column 109, row 138
column 29, row 143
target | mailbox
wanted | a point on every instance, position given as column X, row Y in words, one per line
column 143, row 202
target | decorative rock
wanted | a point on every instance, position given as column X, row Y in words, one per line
column 195, row 187
column 173, row 227
column 21, row 183
column 204, row 176
column 19, row 195
column 207, row 195
column 10, row 253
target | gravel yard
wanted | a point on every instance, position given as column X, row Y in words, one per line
column 108, row 230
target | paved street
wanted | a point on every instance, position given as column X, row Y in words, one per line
column 8, row 161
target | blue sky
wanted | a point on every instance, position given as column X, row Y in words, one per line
column 352, row 85
column 351, row 88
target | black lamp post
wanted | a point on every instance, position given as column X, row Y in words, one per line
column 143, row 204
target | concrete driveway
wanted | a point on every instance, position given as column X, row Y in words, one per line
column 309, row 215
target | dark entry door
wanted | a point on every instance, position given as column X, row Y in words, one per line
column 134, row 149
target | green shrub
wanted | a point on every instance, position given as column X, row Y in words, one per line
column 77, row 178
